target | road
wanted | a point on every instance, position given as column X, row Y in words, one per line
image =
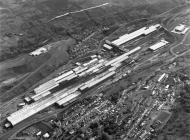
column 78, row 11
column 173, row 9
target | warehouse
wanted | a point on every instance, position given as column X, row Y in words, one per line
column 28, row 111
column 70, row 98
column 39, row 96
column 39, row 51
column 28, row 100
column 113, row 47
column 46, row 86
column 162, row 77
column 158, row 45
column 91, row 69
column 95, row 81
column 67, row 78
column 81, row 70
column 107, row 47
column 63, row 76
column 38, row 106
column 64, row 84
column 90, row 62
column 143, row 31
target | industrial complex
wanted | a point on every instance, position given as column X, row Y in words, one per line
column 44, row 97
column 121, row 82
column 41, row 101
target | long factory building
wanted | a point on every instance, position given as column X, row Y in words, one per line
column 67, row 95
column 142, row 31
column 158, row 45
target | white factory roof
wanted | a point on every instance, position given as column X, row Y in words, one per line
column 117, row 64
column 93, row 56
column 27, row 99
column 162, row 77
column 95, row 70
column 107, row 46
column 71, row 77
column 127, row 37
column 68, row 98
column 101, row 79
column 46, row 86
column 67, row 78
column 180, row 27
column 185, row 30
column 39, row 51
column 91, row 62
column 81, row 70
column 35, row 107
column 97, row 79
column 46, row 135
column 158, row 45
column 63, row 75
column 39, row 96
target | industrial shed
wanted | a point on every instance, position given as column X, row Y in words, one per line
column 46, row 86
column 68, row 99
column 143, row 31
column 158, row 45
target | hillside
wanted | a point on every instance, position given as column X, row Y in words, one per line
column 24, row 23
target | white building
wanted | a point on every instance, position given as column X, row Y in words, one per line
column 46, row 86
column 41, row 95
column 29, row 110
column 106, row 46
column 180, row 29
column 143, row 31
column 158, row 45
column 68, row 98
column 39, row 51
column 162, row 77
column 57, row 79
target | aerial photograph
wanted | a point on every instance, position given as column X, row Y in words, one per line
column 94, row 69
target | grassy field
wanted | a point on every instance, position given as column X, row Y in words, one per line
column 24, row 23
column 39, row 70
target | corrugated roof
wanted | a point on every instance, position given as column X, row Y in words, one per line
column 45, row 86
column 127, row 37
column 34, row 108
column 68, row 98
column 158, row 45
column 63, row 75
